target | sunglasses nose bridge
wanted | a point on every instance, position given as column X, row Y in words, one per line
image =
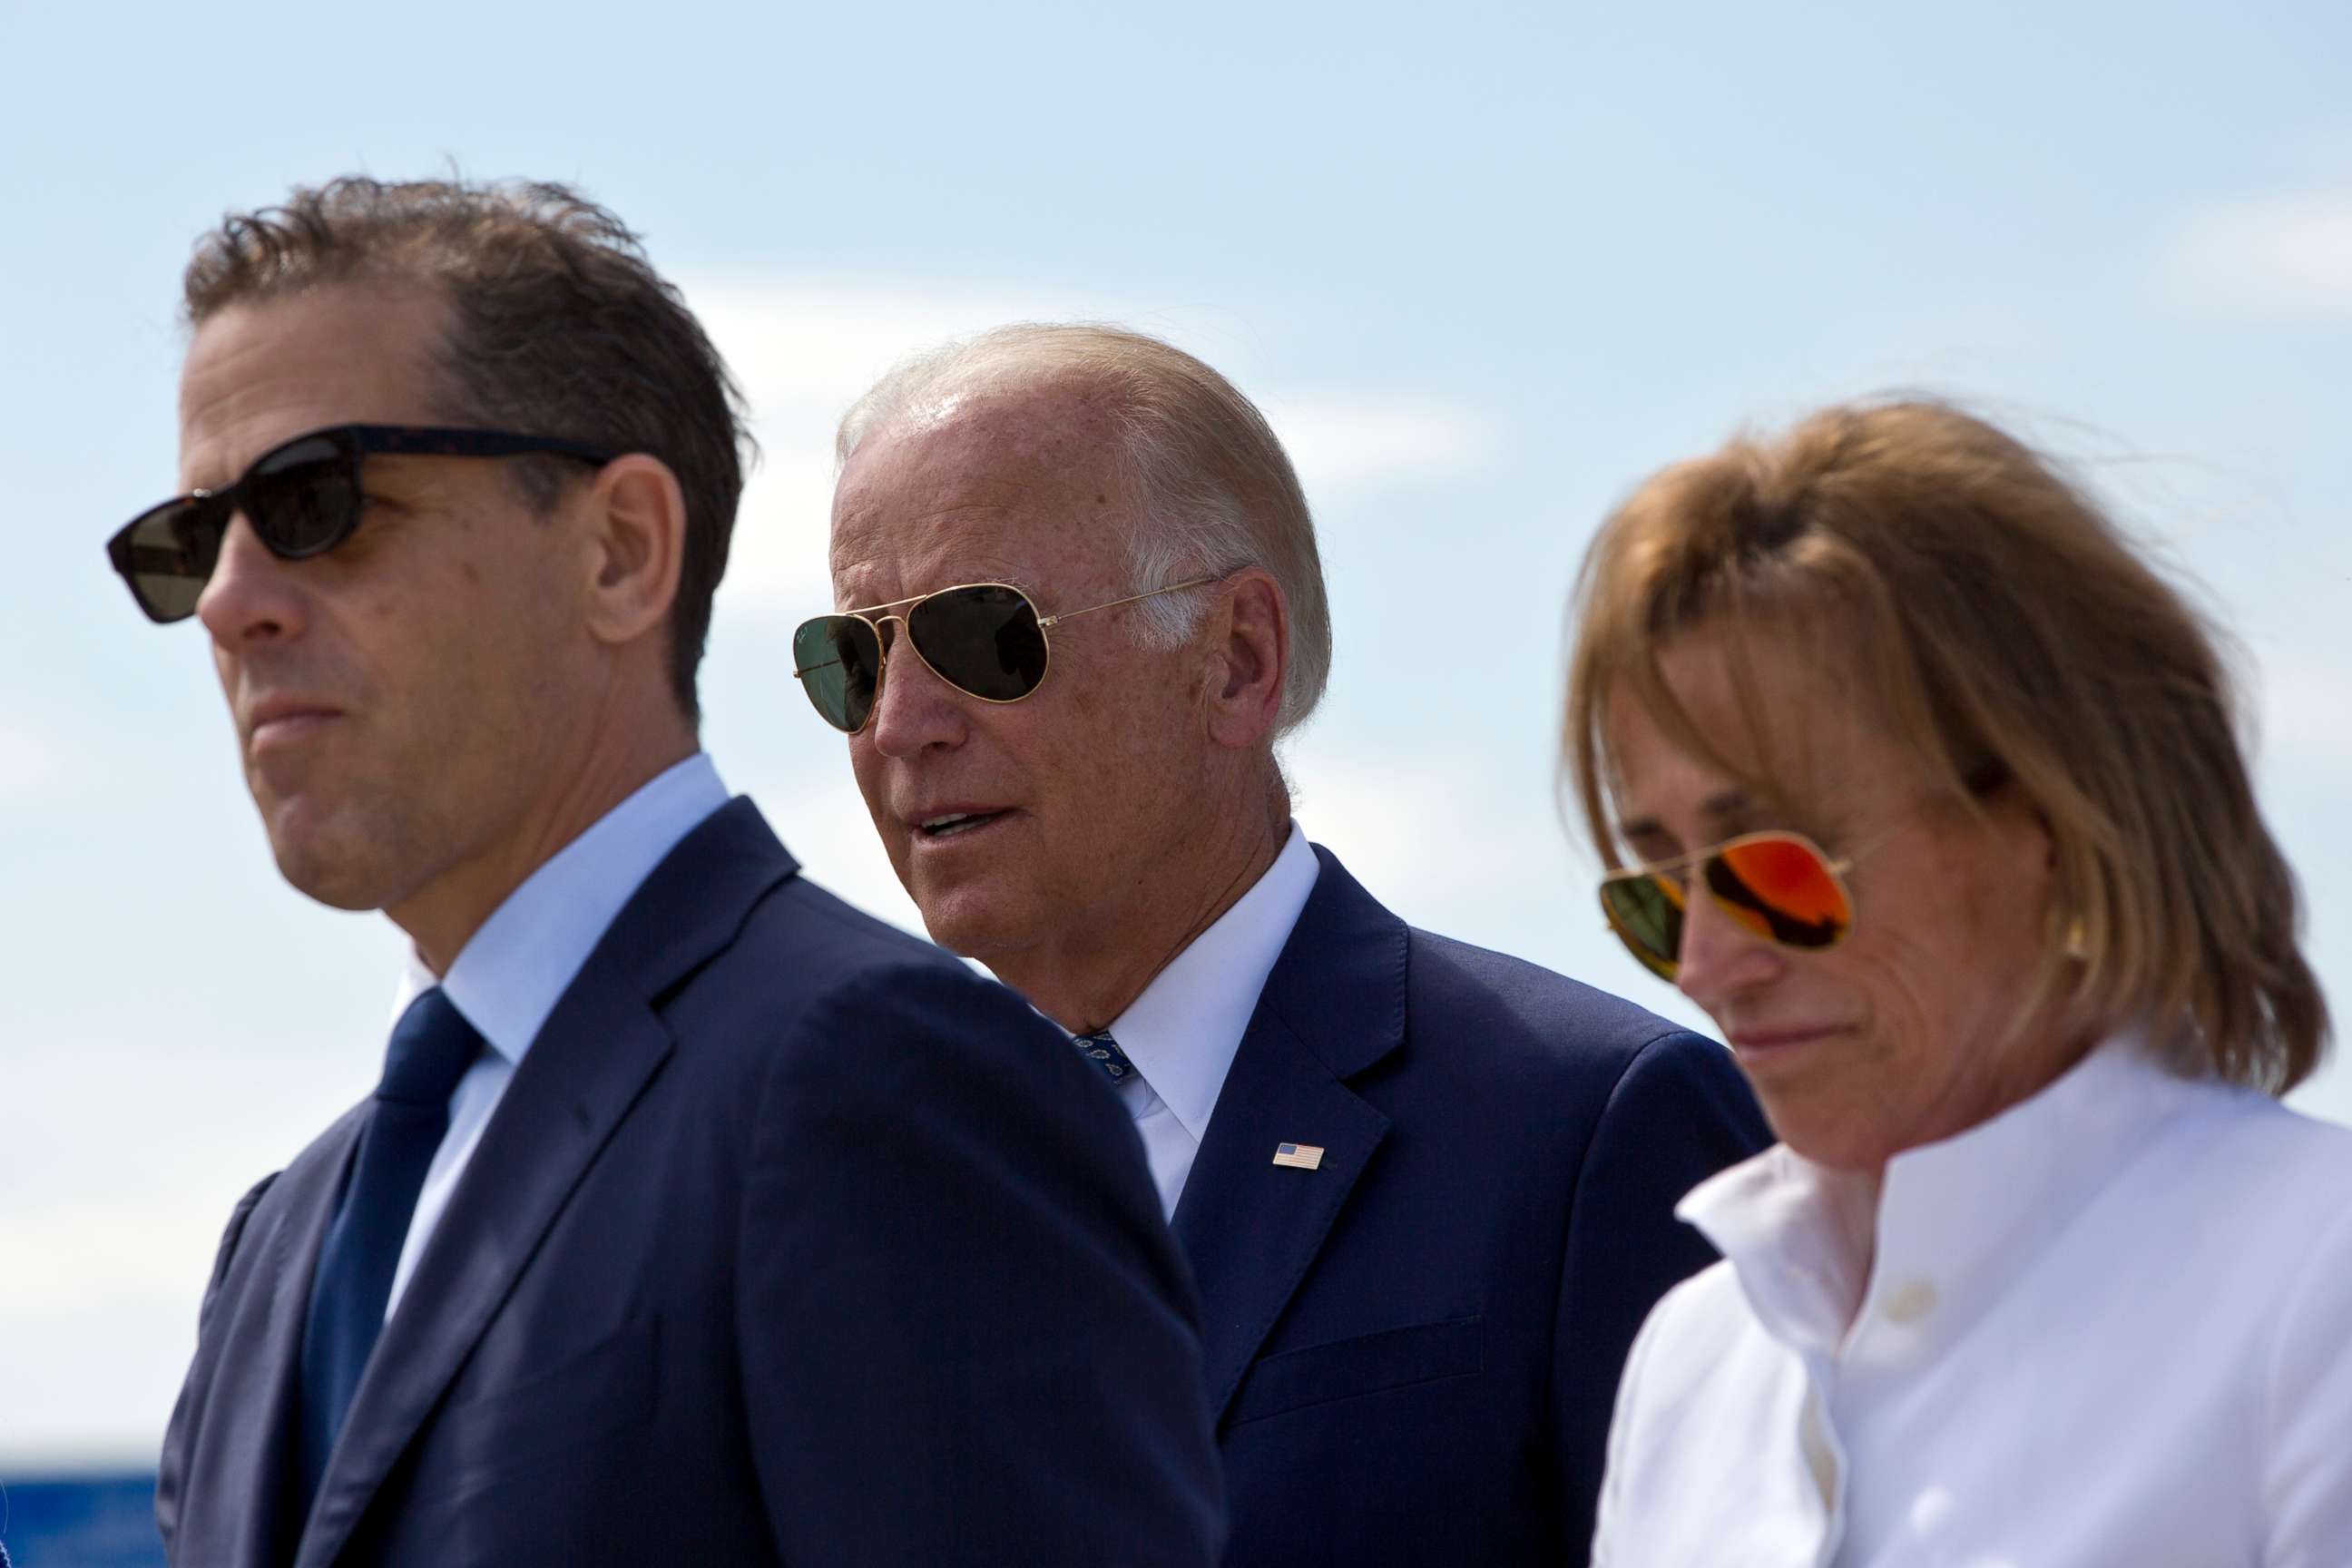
column 249, row 589
column 889, row 630
column 1725, row 951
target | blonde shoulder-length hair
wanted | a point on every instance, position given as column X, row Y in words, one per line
column 2004, row 626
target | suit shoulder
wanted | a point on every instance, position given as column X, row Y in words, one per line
column 806, row 960
column 821, row 928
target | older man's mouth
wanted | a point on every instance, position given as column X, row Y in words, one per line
column 946, row 824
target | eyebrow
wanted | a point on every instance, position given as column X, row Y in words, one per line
column 997, row 582
column 1731, row 808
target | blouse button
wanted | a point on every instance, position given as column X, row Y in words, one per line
column 1911, row 1303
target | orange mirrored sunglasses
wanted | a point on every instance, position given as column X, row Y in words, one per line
column 1780, row 886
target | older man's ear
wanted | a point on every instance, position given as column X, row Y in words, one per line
column 635, row 542
column 1248, row 640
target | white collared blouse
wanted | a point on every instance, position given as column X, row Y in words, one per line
column 2112, row 1326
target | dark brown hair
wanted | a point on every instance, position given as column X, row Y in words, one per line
column 558, row 325
column 2002, row 624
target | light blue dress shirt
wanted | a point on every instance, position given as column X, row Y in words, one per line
column 1182, row 1031
column 510, row 973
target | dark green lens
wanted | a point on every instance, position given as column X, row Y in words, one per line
column 167, row 556
column 839, row 661
column 304, row 498
column 1647, row 914
column 983, row 639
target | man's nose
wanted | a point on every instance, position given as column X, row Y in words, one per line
column 1721, row 959
column 915, row 709
column 252, row 595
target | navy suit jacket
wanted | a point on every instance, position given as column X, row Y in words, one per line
column 791, row 1242
column 1413, row 1349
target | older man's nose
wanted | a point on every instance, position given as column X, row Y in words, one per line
column 915, row 710
column 252, row 595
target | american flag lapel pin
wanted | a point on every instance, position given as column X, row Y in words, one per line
column 1298, row 1156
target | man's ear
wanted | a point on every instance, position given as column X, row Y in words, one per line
column 636, row 541
column 1248, row 638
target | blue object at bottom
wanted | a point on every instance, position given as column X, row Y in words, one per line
column 84, row 1522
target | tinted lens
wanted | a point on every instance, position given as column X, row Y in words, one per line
column 839, row 661
column 304, row 498
column 167, row 556
column 1646, row 912
column 985, row 639
column 1781, row 888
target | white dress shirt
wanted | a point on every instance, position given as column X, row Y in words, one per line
column 2111, row 1326
column 1182, row 1031
column 511, row 972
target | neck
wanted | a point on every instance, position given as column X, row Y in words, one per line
column 1084, row 991
column 616, row 762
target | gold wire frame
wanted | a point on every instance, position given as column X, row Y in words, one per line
column 1661, row 872
column 873, row 622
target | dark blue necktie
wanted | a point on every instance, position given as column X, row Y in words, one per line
column 1103, row 1051
column 431, row 1047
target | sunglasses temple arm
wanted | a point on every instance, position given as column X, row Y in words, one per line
column 1132, row 598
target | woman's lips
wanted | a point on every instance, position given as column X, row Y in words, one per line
column 1762, row 1046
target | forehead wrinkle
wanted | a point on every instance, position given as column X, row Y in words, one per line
column 230, row 413
column 977, row 558
column 854, row 548
column 341, row 356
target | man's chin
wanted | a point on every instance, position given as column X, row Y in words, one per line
column 341, row 870
column 971, row 923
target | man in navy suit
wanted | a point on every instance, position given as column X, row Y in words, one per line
column 696, row 1218
column 1425, row 1190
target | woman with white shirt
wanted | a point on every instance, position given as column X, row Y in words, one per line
column 1916, row 777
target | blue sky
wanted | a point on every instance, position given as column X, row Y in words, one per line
column 1485, row 270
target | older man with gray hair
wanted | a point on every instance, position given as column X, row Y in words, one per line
column 1426, row 1190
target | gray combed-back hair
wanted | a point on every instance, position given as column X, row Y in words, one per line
column 1212, row 491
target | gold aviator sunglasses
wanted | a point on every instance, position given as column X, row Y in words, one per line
column 985, row 639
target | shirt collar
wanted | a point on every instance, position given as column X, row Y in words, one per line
column 510, row 973
column 1960, row 1216
column 1182, row 1031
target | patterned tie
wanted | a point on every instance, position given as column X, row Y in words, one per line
column 1103, row 1051
column 431, row 1048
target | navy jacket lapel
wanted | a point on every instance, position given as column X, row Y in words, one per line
column 604, row 1043
column 1333, row 1005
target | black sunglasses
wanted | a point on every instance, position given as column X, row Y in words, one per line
column 985, row 639
column 302, row 498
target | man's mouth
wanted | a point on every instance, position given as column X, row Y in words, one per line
column 949, row 824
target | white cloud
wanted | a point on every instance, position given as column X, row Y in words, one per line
column 1345, row 441
column 2305, row 705
column 1423, row 837
column 804, row 349
column 2284, row 257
